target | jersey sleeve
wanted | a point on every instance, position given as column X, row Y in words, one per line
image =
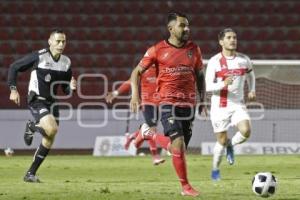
column 199, row 61
column 21, row 65
column 124, row 87
column 210, row 77
column 249, row 64
column 149, row 58
column 250, row 76
column 66, row 86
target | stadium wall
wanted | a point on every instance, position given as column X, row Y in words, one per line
column 82, row 127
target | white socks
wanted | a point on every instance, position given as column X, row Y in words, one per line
column 219, row 149
column 218, row 153
column 238, row 138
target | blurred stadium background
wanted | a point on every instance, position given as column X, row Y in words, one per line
column 109, row 37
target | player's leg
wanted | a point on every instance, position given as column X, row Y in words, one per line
column 218, row 152
column 148, row 129
column 163, row 141
column 38, row 110
column 49, row 125
column 130, row 138
column 148, row 133
column 139, row 139
column 153, row 150
column 160, row 138
column 173, row 129
column 241, row 119
column 220, row 120
column 243, row 134
column 187, row 116
column 145, row 130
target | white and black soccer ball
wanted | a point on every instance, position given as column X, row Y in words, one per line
column 264, row 184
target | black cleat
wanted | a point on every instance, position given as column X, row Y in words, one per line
column 28, row 135
column 30, row 178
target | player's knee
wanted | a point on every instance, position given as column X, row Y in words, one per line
column 51, row 131
column 47, row 142
column 246, row 131
column 177, row 143
column 222, row 139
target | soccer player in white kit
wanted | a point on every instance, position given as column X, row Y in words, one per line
column 225, row 77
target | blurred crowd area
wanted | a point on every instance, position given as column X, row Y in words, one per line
column 109, row 37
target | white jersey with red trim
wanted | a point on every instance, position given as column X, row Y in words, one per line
column 218, row 69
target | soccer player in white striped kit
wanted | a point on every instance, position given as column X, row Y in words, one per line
column 225, row 77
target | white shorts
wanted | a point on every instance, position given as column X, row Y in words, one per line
column 223, row 118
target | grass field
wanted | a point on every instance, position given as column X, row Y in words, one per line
column 135, row 178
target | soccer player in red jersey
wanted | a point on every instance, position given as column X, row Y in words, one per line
column 179, row 65
column 149, row 107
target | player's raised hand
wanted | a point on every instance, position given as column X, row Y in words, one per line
column 15, row 97
column 252, row 96
column 134, row 104
column 73, row 83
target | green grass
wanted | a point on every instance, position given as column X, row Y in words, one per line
column 135, row 178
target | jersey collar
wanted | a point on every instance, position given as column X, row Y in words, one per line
column 184, row 44
column 55, row 60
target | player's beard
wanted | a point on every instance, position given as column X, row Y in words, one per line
column 184, row 36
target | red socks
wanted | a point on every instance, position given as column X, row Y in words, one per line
column 162, row 140
column 179, row 163
column 153, row 147
column 138, row 139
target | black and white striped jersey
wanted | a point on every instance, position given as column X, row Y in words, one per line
column 46, row 75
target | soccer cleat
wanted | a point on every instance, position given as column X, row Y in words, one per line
column 30, row 178
column 215, row 175
column 157, row 160
column 187, row 190
column 129, row 139
column 230, row 153
column 28, row 134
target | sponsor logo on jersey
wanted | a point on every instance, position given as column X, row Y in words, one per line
column 48, row 78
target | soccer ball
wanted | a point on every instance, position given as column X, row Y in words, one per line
column 264, row 184
column 8, row 152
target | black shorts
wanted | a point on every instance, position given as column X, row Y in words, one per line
column 40, row 108
column 150, row 113
column 177, row 121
